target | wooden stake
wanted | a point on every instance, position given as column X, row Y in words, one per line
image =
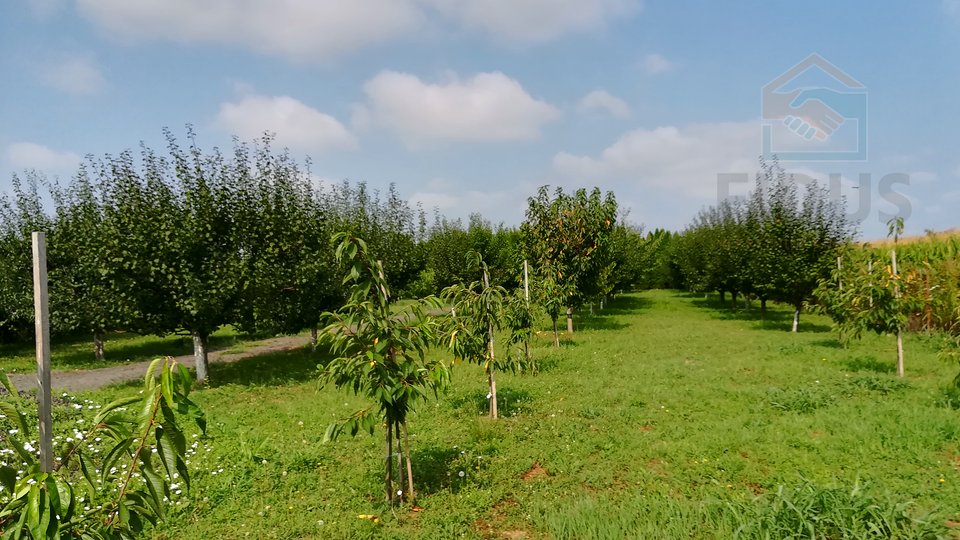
column 896, row 291
column 839, row 270
column 42, row 318
column 490, row 361
column 526, row 282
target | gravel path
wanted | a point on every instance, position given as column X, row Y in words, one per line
column 92, row 379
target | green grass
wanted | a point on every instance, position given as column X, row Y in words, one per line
column 665, row 417
column 119, row 347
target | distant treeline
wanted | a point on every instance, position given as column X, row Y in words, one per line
column 187, row 240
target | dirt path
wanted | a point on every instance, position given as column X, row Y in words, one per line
column 92, row 379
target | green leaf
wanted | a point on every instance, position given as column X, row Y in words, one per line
column 14, row 414
column 8, row 384
column 112, row 406
column 166, row 384
column 8, row 478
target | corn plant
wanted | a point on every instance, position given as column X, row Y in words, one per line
column 101, row 495
column 380, row 354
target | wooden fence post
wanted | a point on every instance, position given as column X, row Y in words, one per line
column 42, row 319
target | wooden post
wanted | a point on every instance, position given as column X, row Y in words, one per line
column 839, row 270
column 896, row 292
column 491, row 378
column 42, row 318
column 526, row 296
column 526, row 282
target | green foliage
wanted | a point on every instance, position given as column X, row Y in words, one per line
column 20, row 215
column 478, row 311
column 802, row 510
column 628, row 437
column 868, row 299
column 811, row 511
column 778, row 243
column 799, row 400
column 379, row 353
column 566, row 238
column 101, row 495
column 449, row 240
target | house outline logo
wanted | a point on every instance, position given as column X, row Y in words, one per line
column 800, row 124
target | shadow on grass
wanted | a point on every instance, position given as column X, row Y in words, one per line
column 77, row 352
column 273, row 369
column 434, row 469
column 776, row 318
column 869, row 363
column 510, row 402
column 598, row 321
column 546, row 360
column 828, row 343
column 624, row 305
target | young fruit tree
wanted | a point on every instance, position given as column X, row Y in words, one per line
column 479, row 311
column 110, row 494
column 567, row 238
column 871, row 296
column 382, row 354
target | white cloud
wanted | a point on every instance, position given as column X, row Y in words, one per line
column 535, row 20
column 324, row 29
column 655, row 64
column 76, row 75
column 297, row 29
column 44, row 9
column 295, row 124
column 952, row 8
column 28, row 155
column 601, row 100
column 685, row 160
column 489, row 203
column 485, row 107
column 924, row 177
column 431, row 200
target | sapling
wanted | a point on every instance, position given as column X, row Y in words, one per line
column 380, row 353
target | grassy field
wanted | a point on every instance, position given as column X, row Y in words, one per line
column 119, row 347
column 666, row 417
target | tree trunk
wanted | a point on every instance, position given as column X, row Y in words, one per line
column 556, row 334
column 399, row 454
column 796, row 319
column 570, row 320
column 98, row 345
column 601, row 303
column 406, row 453
column 200, row 356
column 733, row 299
column 591, row 309
column 746, row 302
column 899, row 352
column 763, row 309
column 313, row 337
column 723, row 297
column 388, row 479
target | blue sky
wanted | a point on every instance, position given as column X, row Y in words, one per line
column 469, row 105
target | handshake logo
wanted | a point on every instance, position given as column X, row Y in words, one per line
column 815, row 112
